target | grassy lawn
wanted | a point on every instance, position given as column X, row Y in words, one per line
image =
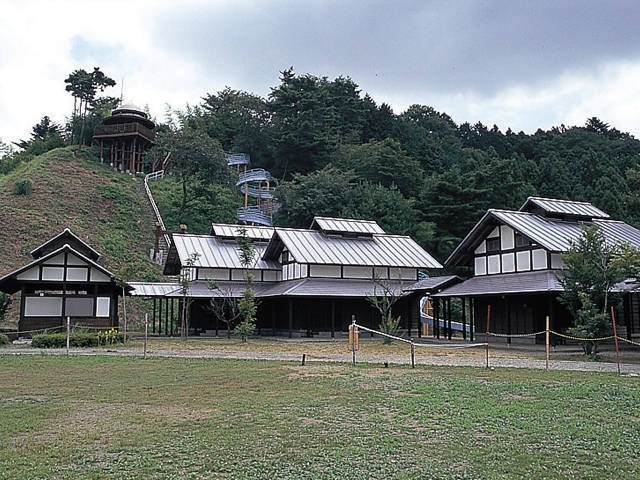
column 111, row 417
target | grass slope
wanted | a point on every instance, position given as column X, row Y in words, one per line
column 72, row 190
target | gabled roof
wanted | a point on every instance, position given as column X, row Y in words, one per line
column 314, row 247
column 10, row 284
column 213, row 252
column 345, row 225
column 562, row 208
column 253, row 232
column 508, row 283
column 69, row 238
column 550, row 233
column 327, row 287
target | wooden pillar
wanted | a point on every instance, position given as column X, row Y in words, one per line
column 273, row 321
column 436, row 317
column 449, row 328
column 333, row 318
column 153, row 315
column 218, row 323
column 507, row 305
column 290, row 318
column 169, row 320
column 551, row 315
column 133, row 155
column 464, row 317
column 472, row 318
column 372, row 326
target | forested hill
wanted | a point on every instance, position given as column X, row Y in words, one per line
column 70, row 190
column 335, row 151
column 332, row 151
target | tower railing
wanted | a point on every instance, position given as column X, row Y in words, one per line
column 254, row 184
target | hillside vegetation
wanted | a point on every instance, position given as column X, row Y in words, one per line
column 70, row 189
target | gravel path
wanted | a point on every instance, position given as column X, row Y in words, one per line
column 497, row 362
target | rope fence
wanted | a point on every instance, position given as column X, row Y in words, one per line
column 355, row 328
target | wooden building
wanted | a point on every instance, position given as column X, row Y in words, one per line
column 124, row 137
column 64, row 280
column 306, row 280
column 515, row 257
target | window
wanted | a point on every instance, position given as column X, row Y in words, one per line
column 493, row 244
column 521, row 240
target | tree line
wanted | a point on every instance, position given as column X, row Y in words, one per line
column 333, row 150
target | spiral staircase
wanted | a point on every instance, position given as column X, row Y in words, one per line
column 259, row 201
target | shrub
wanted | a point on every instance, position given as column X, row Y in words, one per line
column 77, row 339
column 49, row 340
column 23, row 186
column 4, row 339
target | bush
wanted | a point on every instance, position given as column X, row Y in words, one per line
column 49, row 340
column 77, row 339
column 4, row 339
column 23, row 186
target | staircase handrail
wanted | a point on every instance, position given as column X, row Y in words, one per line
column 238, row 159
column 154, row 206
column 254, row 175
column 254, row 214
column 257, row 192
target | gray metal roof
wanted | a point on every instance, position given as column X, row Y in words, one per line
column 203, row 289
column 563, row 207
column 153, row 289
column 619, row 232
column 196, row 289
column 303, row 287
column 217, row 253
column 328, row 287
column 253, row 232
column 314, row 247
column 432, row 283
column 555, row 235
column 345, row 225
column 508, row 283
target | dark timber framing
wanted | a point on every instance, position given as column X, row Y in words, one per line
column 65, row 281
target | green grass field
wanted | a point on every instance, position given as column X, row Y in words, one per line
column 110, row 417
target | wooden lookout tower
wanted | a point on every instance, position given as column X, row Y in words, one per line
column 124, row 136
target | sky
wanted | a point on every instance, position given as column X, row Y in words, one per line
column 519, row 64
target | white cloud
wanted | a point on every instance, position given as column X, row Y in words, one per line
column 520, row 66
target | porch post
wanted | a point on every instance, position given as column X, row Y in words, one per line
column 153, row 315
column 507, row 305
column 273, row 322
column 449, row 329
column 472, row 315
column 464, row 317
column 333, row 318
column 436, row 317
column 290, row 318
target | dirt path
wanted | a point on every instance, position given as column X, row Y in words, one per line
column 480, row 362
